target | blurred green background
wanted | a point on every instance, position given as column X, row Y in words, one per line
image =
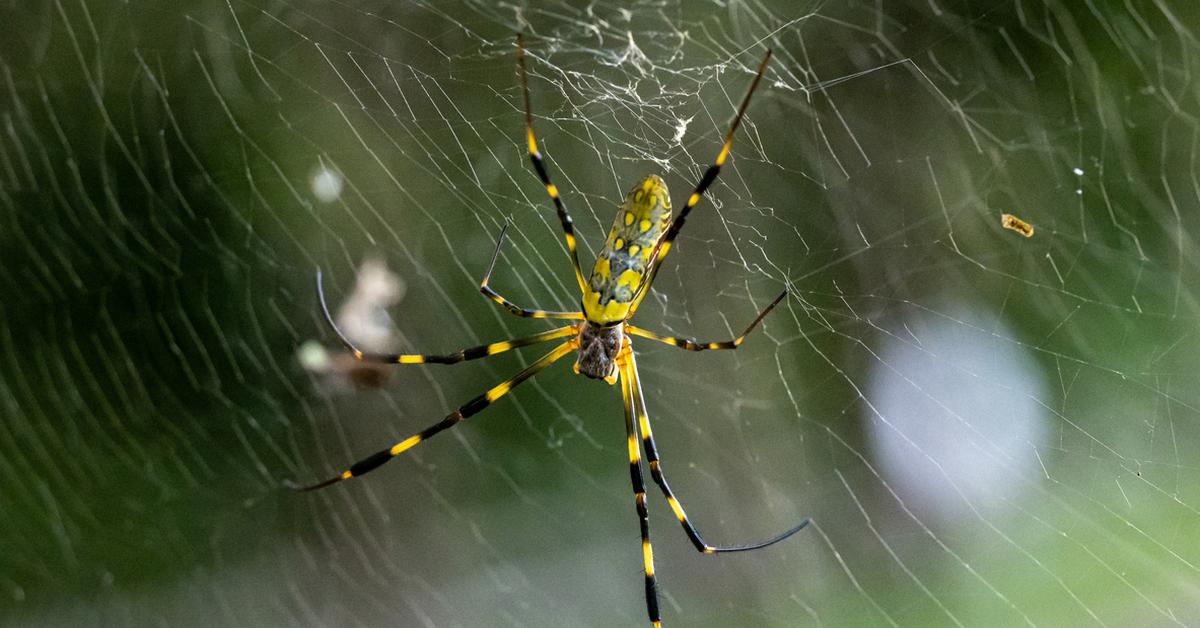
column 986, row 429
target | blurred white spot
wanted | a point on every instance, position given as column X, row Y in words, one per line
column 1079, row 172
column 960, row 426
column 326, row 185
column 363, row 316
column 313, row 356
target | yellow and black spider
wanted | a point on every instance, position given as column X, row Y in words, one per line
column 639, row 240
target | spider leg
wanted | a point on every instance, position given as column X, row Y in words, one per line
column 536, row 157
column 508, row 305
column 634, row 385
column 370, row 463
column 472, row 353
column 639, row 484
column 693, row 345
column 710, row 175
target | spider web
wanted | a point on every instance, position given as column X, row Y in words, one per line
column 986, row 428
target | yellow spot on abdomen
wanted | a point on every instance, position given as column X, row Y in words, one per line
column 611, row 312
column 631, row 278
column 603, row 268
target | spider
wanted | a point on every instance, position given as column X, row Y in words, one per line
column 641, row 236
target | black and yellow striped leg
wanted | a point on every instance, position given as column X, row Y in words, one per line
column 568, row 226
column 634, row 385
column 639, row 486
column 472, row 407
column 693, row 345
column 471, row 353
column 710, row 175
column 508, row 305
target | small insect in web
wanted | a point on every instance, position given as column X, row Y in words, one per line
column 1012, row 223
column 642, row 234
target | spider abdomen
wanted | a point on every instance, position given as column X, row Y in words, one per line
column 618, row 276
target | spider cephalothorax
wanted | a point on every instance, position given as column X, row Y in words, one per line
column 640, row 238
column 598, row 347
